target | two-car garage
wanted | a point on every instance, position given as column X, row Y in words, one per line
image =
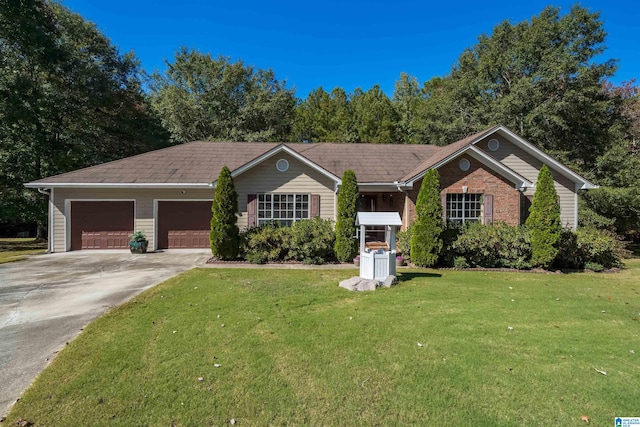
column 108, row 224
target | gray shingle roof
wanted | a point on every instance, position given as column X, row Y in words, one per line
column 200, row 162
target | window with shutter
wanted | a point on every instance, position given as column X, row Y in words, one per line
column 463, row 207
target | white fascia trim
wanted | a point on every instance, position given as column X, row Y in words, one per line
column 544, row 158
column 117, row 185
column 486, row 160
column 282, row 148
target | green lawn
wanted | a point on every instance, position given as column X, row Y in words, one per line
column 14, row 249
column 297, row 350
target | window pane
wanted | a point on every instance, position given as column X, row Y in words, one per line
column 285, row 208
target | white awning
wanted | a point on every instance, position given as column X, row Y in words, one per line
column 378, row 218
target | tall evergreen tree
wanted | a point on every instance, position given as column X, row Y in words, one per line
column 426, row 239
column 224, row 235
column 544, row 221
column 408, row 101
column 346, row 247
column 374, row 118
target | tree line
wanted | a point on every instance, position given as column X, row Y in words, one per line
column 70, row 99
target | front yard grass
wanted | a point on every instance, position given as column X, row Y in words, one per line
column 15, row 249
column 288, row 347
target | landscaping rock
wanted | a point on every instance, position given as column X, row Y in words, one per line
column 390, row 281
column 358, row 284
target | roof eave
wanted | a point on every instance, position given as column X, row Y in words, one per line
column 37, row 184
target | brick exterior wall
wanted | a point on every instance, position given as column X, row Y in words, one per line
column 478, row 179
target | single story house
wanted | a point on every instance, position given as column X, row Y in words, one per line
column 488, row 176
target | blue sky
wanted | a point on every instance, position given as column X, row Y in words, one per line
column 333, row 43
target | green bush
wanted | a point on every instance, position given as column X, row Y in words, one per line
column 460, row 262
column 594, row 266
column 224, row 236
column 494, row 245
column 265, row 243
column 600, row 247
column 544, row 221
column 426, row 239
column 310, row 241
column 346, row 246
column 569, row 253
column 621, row 205
column 404, row 242
column 450, row 235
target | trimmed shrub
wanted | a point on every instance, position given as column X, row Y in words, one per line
column 224, row 236
column 494, row 245
column 346, row 246
column 265, row 243
column 426, row 240
column 544, row 221
column 310, row 241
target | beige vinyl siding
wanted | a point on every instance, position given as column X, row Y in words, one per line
column 528, row 166
column 263, row 178
column 144, row 206
column 299, row 178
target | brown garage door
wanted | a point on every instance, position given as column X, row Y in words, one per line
column 101, row 225
column 184, row 224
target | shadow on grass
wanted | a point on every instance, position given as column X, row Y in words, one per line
column 405, row 277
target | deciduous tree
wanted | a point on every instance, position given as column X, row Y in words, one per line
column 201, row 97
column 543, row 78
column 68, row 99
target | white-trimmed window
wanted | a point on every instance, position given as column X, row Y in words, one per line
column 283, row 208
column 462, row 208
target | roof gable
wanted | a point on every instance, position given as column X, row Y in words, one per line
column 581, row 182
column 452, row 151
column 280, row 149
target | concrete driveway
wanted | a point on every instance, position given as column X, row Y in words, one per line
column 46, row 300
